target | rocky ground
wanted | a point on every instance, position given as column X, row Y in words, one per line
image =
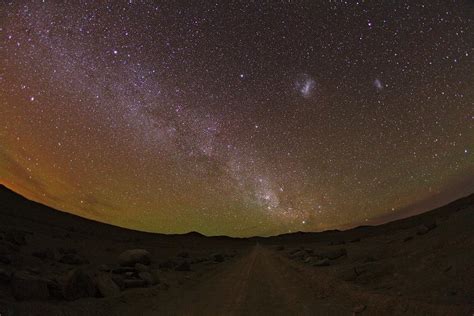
column 53, row 263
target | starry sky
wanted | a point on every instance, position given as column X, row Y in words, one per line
column 238, row 118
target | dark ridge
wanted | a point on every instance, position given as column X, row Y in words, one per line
column 440, row 213
column 21, row 208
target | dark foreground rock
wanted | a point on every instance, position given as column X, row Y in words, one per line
column 183, row 266
column 28, row 287
column 425, row 228
column 106, row 286
column 134, row 256
column 334, row 254
column 78, row 284
column 321, row 263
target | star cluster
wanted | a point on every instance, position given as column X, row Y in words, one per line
column 237, row 117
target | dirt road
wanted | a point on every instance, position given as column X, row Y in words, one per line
column 265, row 283
column 260, row 282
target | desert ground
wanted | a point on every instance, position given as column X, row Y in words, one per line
column 54, row 263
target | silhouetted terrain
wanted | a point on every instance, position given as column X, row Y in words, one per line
column 54, row 263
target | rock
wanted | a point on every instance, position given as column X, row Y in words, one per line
column 309, row 251
column 218, row 257
column 148, row 277
column 292, row 252
column 104, row 268
column 134, row 256
column 67, row 251
column 168, row 264
column 299, row 254
column 16, row 237
column 357, row 239
column 369, row 259
column 119, row 280
column 8, row 247
column 348, row 274
column 337, row 242
column 183, row 254
column 73, row 259
column 132, row 283
column 183, row 266
column 321, row 263
column 372, row 272
column 141, row 267
column 425, row 228
column 47, row 254
column 359, row 308
column 334, row 254
column 55, row 289
column 33, row 270
column 28, row 287
column 123, row 270
column 5, row 258
column 5, row 276
column 408, row 238
column 78, row 284
column 421, row 230
column 106, row 286
column 279, row 248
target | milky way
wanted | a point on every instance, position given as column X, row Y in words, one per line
column 241, row 118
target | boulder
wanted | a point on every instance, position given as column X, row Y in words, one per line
column 16, row 237
column 183, row 266
column 33, row 270
column 130, row 274
column 372, row 272
column 334, row 254
column 168, row 264
column 106, row 286
column 132, row 283
column 67, row 251
column 359, row 308
column 6, row 258
column 425, row 228
column 141, row 267
column 133, row 256
column 55, row 289
column 348, row 274
column 183, row 254
column 123, row 270
column 5, row 276
column 299, row 254
column 104, row 268
column 148, row 277
column 28, row 287
column 218, row 257
column 119, row 280
column 73, row 259
column 309, row 251
column 46, row 254
column 321, row 263
column 78, row 284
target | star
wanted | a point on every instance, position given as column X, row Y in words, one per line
column 176, row 118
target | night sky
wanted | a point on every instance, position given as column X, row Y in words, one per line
column 237, row 118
